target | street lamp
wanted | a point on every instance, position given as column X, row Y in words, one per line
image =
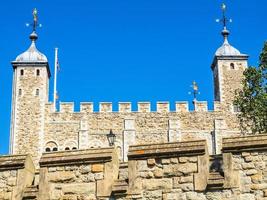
column 111, row 138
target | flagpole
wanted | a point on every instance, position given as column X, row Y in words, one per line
column 55, row 79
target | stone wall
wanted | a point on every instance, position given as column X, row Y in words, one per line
column 88, row 128
column 16, row 173
column 168, row 171
column 30, row 93
column 87, row 174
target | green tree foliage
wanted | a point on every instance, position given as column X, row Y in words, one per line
column 252, row 98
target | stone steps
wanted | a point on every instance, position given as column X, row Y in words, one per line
column 120, row 186
column 216, row 178
column 30, row 192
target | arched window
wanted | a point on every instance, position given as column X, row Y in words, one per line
column 37, row 92
column 232, row 66
column 21, row 72
column 38, row 72
column 20, row 92
column 70, row 145
column 51, row 146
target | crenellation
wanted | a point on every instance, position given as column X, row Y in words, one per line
column 86, row 107
column 144, row 107
column 163, row 107
column 201, row 106
column 66, row 107
column 125, row 107
column 181, row 106
column 105, row 107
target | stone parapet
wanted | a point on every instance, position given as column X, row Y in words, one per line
column 126, row 107
column 245, row 143
column 76, row 156
column 13, row 162
column 105, row 107
column 16, row 174
column 166, row 171
column 66, row 107
column 181, row 106
column 86, row 107
column 144, row 106
column 197, row 147
column 201, row 106
column 85, row 174
column 163, row 107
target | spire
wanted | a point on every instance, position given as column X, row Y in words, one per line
column 32, row 54
column 226, row 49
column 225, row 32
column 34, row 24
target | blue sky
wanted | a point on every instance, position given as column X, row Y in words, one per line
column 126, row 50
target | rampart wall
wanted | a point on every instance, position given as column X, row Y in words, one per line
column 178, row 170
column 88, row 128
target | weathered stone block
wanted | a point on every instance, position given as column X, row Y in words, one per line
column 158, row 173
column 157, row 194
column 99, row 176
column 154, row 184
column 187, row 168
column 183, row 159
column 151, row 162
column 79, row 188
column 62, row 177
column 257, row 178
column 248, row 158
column 260, row 165
column 186, row 179
column 192, row 159
column 85, row 169
column 174, row 160
column 165, row 161
column 248, row 166
column 247, row 196
column 258, row 186
column 187, row 187
column 97, row 168
column 251, row 172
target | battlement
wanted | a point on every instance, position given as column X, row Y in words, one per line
column 142, row 107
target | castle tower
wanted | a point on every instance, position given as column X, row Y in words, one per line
column 228, row 67
column 29, row 94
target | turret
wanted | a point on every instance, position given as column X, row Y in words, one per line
column 30, row 93
column 228, row 67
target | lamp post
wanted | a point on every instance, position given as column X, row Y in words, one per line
column 111, row 138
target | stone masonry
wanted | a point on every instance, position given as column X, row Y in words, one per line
column 166, row 171
column 64, row 154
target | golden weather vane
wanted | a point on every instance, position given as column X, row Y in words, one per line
column 35, row 23
column 224, row 19
column 195, row 91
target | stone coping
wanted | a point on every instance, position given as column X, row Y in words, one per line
column 244, row 143
column 12, row 162
column 190, row 148
column 74, row 157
